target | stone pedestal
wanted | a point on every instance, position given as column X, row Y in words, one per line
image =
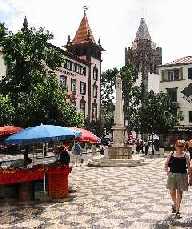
column 120, row 152
column 118, row 136
column 103, row 162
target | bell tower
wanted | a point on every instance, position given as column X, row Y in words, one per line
column 85, row 47
column 143, row 54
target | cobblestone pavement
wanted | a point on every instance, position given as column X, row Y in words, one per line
column 106, row 198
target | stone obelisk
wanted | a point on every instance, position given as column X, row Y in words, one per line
column 119, row 150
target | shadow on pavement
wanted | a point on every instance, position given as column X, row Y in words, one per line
column 170, row 223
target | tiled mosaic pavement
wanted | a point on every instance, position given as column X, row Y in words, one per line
column 106, row 198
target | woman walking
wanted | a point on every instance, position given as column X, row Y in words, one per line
column 177, row 167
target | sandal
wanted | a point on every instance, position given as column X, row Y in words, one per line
column 177, row 215
column 173, row 209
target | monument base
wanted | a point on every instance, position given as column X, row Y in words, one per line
column 120, row 152
column 104, row 162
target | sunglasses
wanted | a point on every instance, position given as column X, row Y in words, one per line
column 180, row 146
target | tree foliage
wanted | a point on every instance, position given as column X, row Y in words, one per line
column 158, row 113
column 31, row 82
column 151, row 113
column 7, row 111
column 131, row 95
column 107, row 96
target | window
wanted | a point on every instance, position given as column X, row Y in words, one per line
column 82, row 106
column 82, row 88
column 78, row 68
column 84, row 71
column 95, row 73
column 69, row 64
column 190, row 116
column 63, row 81
column 172, row 92
column 190, row 73
column 74, row 67
column 173, row 75
column 94, row 91
column 81, row 70
column 94, row 111
column 73, row 86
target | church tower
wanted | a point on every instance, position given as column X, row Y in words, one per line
column 85, row 47
column 144, row 55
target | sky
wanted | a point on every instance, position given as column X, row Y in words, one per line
column 114, row 22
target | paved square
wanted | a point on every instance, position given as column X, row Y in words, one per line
column 106, row 198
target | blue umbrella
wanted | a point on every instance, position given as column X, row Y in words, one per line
column 42, row 133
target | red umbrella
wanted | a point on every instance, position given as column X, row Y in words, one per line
column 8, row 130
column 87, row 136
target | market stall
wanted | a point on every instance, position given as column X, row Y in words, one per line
column 54, row 176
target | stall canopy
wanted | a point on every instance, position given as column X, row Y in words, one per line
column 42, row 133
column 86, row 136
column 8, row 130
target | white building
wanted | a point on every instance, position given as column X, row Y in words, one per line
column 176, row 79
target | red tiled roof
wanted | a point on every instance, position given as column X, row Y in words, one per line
column 84, row 33
column 183, row 60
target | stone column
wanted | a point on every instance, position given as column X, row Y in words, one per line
column 118, row 128
column 118, row 149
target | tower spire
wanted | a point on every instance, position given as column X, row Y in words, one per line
column 25, row 24
column 142, row 32
column 84, row 33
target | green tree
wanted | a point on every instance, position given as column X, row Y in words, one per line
column 7, row 111
column 131, row 95
column 47, row 104
column 158, row 113
column 107, row 97
column 28, row 56
column 31, row 82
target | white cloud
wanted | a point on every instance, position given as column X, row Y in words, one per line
column 115, row 22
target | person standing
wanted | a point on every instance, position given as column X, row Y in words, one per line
column 189, row 148
column 77, row 151
column 146, row 144
column 177, row 166
column 62, row 155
